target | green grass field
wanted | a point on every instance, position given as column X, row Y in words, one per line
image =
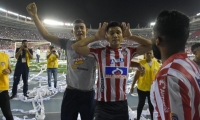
column 36, row 67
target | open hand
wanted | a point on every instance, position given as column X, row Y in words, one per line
column 126, row 30
column 101, row 33
column 22, row 47
column 131, row 90
column 6, row 71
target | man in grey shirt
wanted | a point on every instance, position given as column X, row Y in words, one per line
column 196, row 51
column 79, row 94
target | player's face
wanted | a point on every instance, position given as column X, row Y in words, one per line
column 156, row 50
column 79, row 31
column 114, row 36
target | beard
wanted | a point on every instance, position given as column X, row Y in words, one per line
column 156, row 51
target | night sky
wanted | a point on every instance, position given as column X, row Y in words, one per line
column 135, row 12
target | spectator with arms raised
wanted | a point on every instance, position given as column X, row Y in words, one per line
column 79, row 94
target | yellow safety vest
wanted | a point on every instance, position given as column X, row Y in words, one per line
column 145, row 81
column 4, row 80
column 27, row 59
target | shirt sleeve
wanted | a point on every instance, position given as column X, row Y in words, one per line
column 63, row 43
column 94, row 52
column 31, row 51
column 133, row 51
column 17, row 50
column 171, row 98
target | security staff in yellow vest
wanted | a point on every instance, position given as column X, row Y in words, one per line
column 52, row 66
column 144, row 82
column 23, row 56
column 5, row 69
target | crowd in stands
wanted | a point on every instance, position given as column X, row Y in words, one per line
column 14, row 33
column 194, row 38
column 33, row 35
column 5, row 45
column 9, row 45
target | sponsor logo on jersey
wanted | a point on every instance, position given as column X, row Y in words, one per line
column 79, row 60
column 2, row 64
column 162, row 86
column 116, row 72
column 173, row 116
column 78, row 68
column 119, row 60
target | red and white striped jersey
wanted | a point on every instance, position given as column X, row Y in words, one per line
column 113, row 67
column 175, row 93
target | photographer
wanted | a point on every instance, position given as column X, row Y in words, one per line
column 23, row 56
column 52, row 66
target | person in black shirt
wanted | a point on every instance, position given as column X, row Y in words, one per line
column 23, row 56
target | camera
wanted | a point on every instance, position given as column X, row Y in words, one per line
column 25, row 46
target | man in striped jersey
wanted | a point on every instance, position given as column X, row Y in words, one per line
column 175, row 92
column 114, row 62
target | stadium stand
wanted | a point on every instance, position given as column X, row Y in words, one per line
column 13, row 29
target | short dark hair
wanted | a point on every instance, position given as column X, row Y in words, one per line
column 78, row 21
column 194, row 46
column 24, row 41
column 173, row 28
column 51, row 47
column 113, row 24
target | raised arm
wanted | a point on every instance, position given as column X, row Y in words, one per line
column 32, row 10
column 82, row 46
column 18, row 52
column 30, row 52
column 145, row 44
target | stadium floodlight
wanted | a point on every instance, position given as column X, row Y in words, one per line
column 3, row 10
column 198, row 14
column 28, row 18
column 22, row 16
column 52, row 22
column 68, row 24
column 13, row 13
column 152, row 24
